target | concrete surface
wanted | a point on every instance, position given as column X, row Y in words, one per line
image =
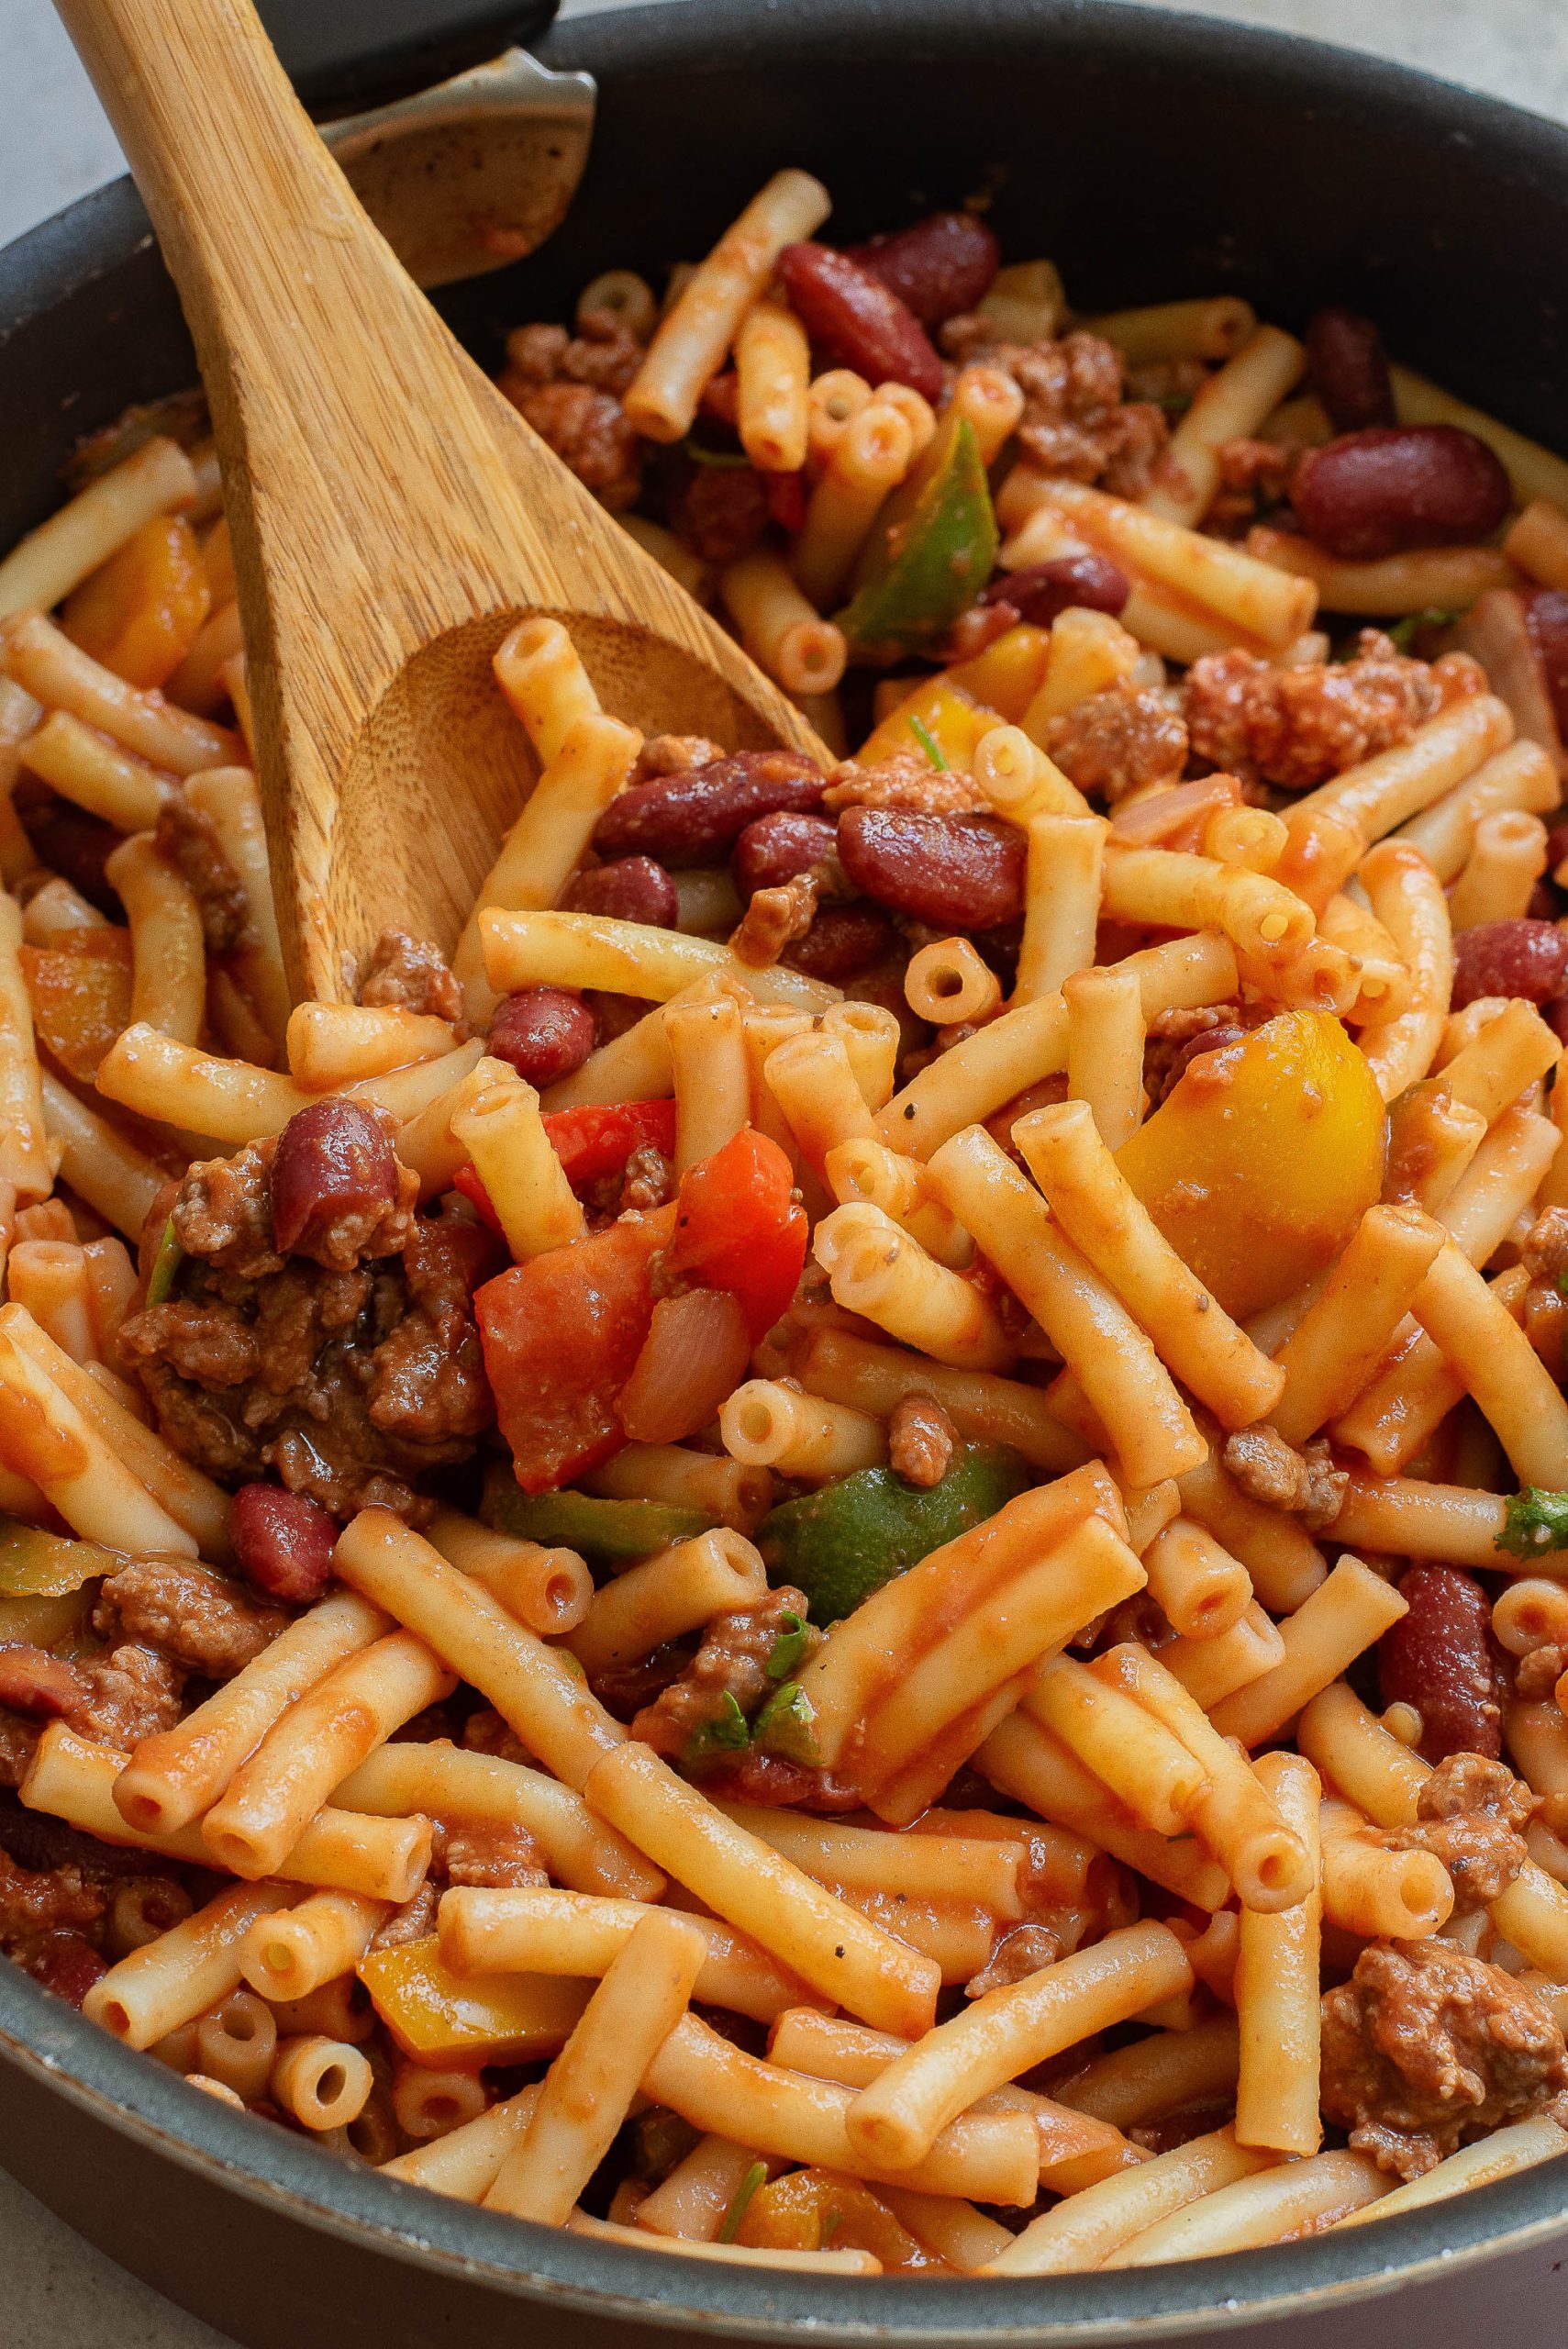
column 59, row 2294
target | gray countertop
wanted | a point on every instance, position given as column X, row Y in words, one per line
column 58, row 2293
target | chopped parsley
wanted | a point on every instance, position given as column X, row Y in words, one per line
column 1534, row 1522
column 929, row 743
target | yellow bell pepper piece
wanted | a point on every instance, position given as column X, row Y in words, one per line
column 1006, row 677
column 954, row 720
column 1263, row 1159
column 439, row 2017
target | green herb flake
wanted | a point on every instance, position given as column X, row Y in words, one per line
column 165, row 1267
column 788, row 1650
column 1534, row 1521
column 929, row 743
column 786, row 1726
column 728, row 1732
column 740, row 2202
column 1403, row 633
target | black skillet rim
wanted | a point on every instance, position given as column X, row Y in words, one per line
column 267, row 2164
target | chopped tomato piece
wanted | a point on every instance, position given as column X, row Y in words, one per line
column 596, row 1142
column 739, row 1226
column 80, row 991
column 471, row 1183
column 561, row 1337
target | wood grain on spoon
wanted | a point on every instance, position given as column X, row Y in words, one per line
column 392, row 515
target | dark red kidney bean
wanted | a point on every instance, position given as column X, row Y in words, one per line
column 33, row 1681
column 1527, row 958
column 1350, row 368
column 545, row 1033
column 1394, row 486
column 720, row 511
column 1545, row 902
column 1038, row 594
column 961, row 873
column 283, row 1542
column 940, row 266
column 334, row 1161
column 69, row 841
column 635, row 889
column 1546, row 618
column 859, row 320
column 1556, row 846
column 63, row 1960
column 842, row 942
column 697, row 818
column 775, row 848
column 1439, row 1658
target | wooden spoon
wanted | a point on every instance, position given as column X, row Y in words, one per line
column 392, row 515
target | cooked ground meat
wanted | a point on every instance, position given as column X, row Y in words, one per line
column 131, row 1693
column 666, row 754
column 719, row 511
column 921, row 1440
column 188, row 839
column 18, row 1737
column 349, row 1384
column 43, row 1902
column 199, row 1618
column 1118, row 739
column 1536, row 1676
column 412, row 1922
column 1014, row 1956
column 1425, row 2048
column 732, row 1662
column 568, row 387
column 648, row 1181
column 1178, row 1038
column 773, row 919
column 1254, row 475
column 489, row 1852
column 408, row 974
column 905, row 780
column 1471, row 1814
column 485, row 1732
column 1269, row 1470
column 1295, row 728
column 1075, row 420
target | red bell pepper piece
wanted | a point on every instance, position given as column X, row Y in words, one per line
column 738, row 1227
column 561, row 1336
column 468, row 1181
column 595, row 1141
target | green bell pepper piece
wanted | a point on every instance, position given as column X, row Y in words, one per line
column 840, row 1544
column 786, row 1726
column 165, row 1267
column 33, row 1564
column 600, row 1529
column 927, row 568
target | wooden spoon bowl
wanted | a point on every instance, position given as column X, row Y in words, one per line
column 392, row 515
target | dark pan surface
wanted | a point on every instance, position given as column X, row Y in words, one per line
column 1152, row 155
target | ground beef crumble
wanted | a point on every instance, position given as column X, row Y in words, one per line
column 195, row 1617
column 1425, row 2048
column 921, row 1440
column 1471, row 1814
column 408, row 974
column 904, row 781
column 1118, row 739
column 1306, row 1482
column 350, row 1385
column 732, row 1662
column 1076, row 421
column 568, row 387
column 1297, row 727
column 187, row 839
column 488, row 1852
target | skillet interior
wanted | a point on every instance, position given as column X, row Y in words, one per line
column 1152, row 155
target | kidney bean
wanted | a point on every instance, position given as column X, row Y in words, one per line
column 1092, row 581
column 1350, row 368
column 33, row 1681
column 775, row 848
column 333, row 1176
column 842, row 942
column 960, row 872
column 940, row 266
column 545, row 1033
column 720, row 510
column 1439, row 1658
column 1394, row 486
column 697, row 818
column 1527, row 958
column 63, row 1960
column 69, row 841
column 1546, row 618
column 635, row 889
column 283, row 1542
column 858, row 320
